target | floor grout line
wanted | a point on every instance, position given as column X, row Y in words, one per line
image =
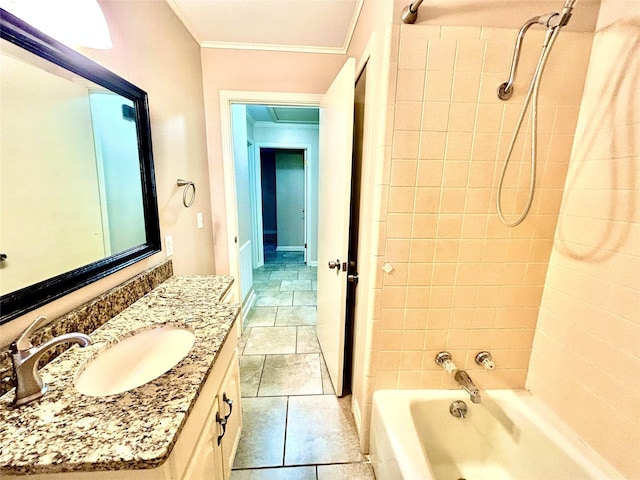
column 315, row 467
column 286, row 427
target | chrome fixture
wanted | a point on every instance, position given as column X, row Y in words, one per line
column 444, row 360
column 410, row 12
column 553, row 22
column 485, row 360
column 464, row 380
column 458, row 409
column 24, row 356
column 188, row 186
column 550, row 20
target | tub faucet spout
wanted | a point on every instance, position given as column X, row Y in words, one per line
column 464, row 380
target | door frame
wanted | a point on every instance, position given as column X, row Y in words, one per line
column 227, row 98
column 257, row 188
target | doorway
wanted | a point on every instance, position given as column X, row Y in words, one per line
column 283, row 184
column 235, row 217
column 354, row 226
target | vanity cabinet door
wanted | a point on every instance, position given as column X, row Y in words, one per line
column 231, row 412
column 206, row 461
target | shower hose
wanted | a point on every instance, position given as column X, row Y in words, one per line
column 532, row 94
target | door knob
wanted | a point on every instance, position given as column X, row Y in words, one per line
column 335, row 264
column 352, row 278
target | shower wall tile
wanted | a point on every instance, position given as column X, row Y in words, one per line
column 439, row 85
column 461, row 280
column 589, row 322
column 442, row 54
column 466, row 86
column 413, row 53
column 461, row 33
column 410, row 85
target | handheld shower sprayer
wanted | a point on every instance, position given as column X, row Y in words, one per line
column 553, row 21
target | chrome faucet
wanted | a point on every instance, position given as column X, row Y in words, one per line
column 25, row 357
column 464, row 380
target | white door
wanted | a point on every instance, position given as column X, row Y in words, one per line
column 334, row 196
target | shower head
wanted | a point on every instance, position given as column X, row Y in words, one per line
column 410, row 12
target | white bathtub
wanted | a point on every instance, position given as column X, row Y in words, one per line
column 509, row 436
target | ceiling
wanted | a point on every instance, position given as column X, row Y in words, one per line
column 284, row 114
column 317, row 26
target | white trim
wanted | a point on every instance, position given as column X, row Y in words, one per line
column 301, row 126
column 352, row 27
column 250, row 119
column 357, row 415
column 270, row 47
column 305, row 155
column 227, row 97
column 102, row 190
column 299, row 248
column 313, row 263
column 271, row 98
column 183, row 19
column 255, row 204
column 284, row 145
column 246, row 306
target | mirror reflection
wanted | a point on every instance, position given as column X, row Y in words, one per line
column 70, row 184
column 77, row 185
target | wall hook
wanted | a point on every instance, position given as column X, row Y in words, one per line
column 185, row 194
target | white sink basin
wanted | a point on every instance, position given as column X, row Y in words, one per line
column 134, row 361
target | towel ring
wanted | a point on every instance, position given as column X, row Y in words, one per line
column 186, row 184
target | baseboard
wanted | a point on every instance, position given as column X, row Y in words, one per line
column 357, row 416
column 290, row 249
column 249, row 301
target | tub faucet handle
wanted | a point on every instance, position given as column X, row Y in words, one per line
column 485, row 360
column 444, row 360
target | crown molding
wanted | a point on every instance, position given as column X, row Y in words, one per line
column 297, row 126
column 274, row 47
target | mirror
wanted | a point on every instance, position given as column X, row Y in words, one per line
column 77, row 186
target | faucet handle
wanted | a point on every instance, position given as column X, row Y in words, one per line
column 24, row 341
column 485, row 360
column 445, row 361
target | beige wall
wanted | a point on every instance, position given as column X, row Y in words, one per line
column 252, row 71
column 375, row 16
column 153, row 50
column 461, row 281
column 586, row 353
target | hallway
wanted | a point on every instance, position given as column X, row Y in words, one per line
column 295, row 428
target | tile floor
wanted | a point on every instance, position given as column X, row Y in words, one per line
column 295, row 428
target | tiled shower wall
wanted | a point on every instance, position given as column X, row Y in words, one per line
column 461, row 281
column 586, row 354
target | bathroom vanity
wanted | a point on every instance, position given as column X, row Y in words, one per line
column 185, row 424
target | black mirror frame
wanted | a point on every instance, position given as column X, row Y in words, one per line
column 22, row 301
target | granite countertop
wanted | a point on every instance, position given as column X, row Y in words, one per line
column 67, row 431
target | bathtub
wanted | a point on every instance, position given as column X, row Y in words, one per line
column 509, row 436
